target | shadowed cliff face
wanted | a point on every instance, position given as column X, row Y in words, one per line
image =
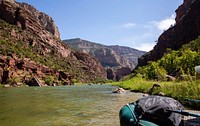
column 186, row 29
column 27, row 32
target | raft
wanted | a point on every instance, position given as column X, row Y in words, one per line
column 151, row 111
column 129, row 117
column 191, row 103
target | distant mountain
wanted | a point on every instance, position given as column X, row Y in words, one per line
column 109, row 56
column 113, row 57
column 128, row 53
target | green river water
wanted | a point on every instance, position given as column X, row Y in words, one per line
column 87, row 105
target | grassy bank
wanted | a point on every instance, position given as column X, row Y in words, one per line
column 179, row 90
column 183, row 82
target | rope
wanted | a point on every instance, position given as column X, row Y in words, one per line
column 132, row 112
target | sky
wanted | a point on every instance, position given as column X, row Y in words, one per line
column 133, row 23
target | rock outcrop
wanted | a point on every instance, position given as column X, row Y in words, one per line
column 119, row 90
column 27, row 17
column 27, row 71
column 11, row 1
column 91, row 66
column 16, row 11
column 34, row 39
column 186, row 29
column 43, row 19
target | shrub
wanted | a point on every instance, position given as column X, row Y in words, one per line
column 49, row 80
column 154, row 71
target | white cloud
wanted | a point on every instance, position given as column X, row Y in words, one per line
column 143, row 42
column 126, row 26
column 143, row 36
column 165, row 23
column 145, row 46
column 129, row 25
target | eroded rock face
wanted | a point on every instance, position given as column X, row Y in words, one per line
column 18, row 9
column 37, row 32
column 91, row 65
column 186, row 29
column 117, row 74
column 42, row 18
column 39, row 24
column 11, row 1
column 109, row 56
column 124, row 71
column 118, row 60
column 183, row 9
column 28, row 72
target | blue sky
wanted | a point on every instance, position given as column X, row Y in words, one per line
column 132, row 23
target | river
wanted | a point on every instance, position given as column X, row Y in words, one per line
column 86, row 105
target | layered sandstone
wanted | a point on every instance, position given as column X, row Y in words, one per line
column 24, row 26
column 27, row 17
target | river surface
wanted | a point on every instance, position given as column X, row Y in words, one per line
column 87, row 105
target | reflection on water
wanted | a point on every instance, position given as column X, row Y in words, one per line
column 86, row 105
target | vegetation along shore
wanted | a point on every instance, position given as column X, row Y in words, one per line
column 185, row 85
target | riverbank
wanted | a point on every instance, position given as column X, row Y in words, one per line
column 179, row 90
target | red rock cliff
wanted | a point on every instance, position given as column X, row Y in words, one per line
column 37, row 31
column 29, row 18
column 186, row 29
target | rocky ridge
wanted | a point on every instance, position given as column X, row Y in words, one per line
column 128, row 53
column 118, row 60
column 27, row 17
column 31, row 37
column 109, row 56
column 186, row 29
column 43, row 19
